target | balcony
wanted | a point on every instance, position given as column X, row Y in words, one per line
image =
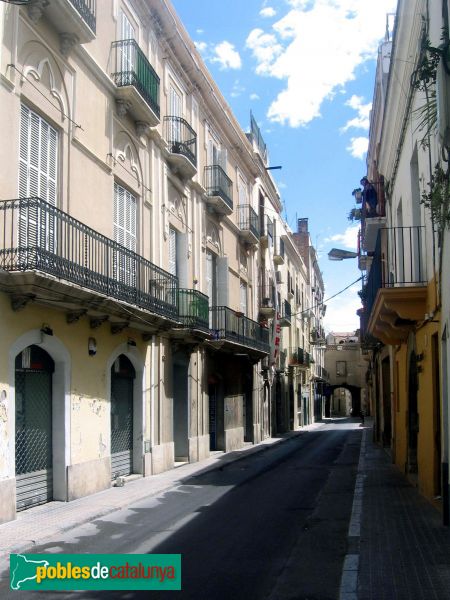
column 48, row 256
column 267, row 230
column 267, row 300
column 372, row 220
column 193, row 309
column 219, row 190
column 396, row 291
column 286, row 314
column 136, row 81
column 182, row 146
column 278, row 251
column 74, row 18
column 248, row 224
column 236, row 331
column 299, row 358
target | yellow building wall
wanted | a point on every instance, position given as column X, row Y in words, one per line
column 89, row 406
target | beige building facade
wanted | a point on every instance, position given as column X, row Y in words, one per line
column 132, row 269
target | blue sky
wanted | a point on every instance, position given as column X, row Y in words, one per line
column 306, row 70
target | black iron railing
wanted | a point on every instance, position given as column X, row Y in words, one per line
column 181, row 138
column 35, row 235
column 87, row 10
column 227, row 324
column 286, row 311
column 267, row 296
column 217, row 183
column 248, row 219
column 299, row 357
column 131, row 67
column 193, row 308
column 278, row 249
column 266, row 227
column 399, row 261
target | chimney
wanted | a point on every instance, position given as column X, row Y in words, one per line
column 302, row 225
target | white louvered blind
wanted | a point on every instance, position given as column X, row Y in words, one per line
column 243, row 297
column 38, row 159
column 172, row 251
column 38, row 169
column 127, row 33
column 125, row 234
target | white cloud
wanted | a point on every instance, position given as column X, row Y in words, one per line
column 201, row 46
column 267, row 12
column 358, row 147
column 265, row 49
column 237, row 90
column 226, row 56
column 254, row 97
column 348, row 239
column 362, row 120
column 316, row 48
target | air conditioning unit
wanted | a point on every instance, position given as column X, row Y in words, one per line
column 278, row 277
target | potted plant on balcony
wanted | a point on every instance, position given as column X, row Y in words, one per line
column 355, row 214
column 357, row 193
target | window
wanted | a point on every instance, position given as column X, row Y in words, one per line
column 38, row 160
column 341, row 368
column 127, row 32
column 243, row 298
column 125, row 234
column 38, row 168
column 173, row 251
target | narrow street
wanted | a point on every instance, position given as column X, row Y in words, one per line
column 243, row 528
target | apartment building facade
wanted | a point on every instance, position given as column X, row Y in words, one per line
column 401, row 250
column 132, row 267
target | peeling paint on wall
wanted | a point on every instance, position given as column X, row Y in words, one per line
column 3, row 434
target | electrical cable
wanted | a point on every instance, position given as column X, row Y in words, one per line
column 327, row 299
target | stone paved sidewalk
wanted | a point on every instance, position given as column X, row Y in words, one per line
column 404, row 548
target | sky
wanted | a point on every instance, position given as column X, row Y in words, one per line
column 306, row 70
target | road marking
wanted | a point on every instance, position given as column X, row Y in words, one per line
column 349, row 578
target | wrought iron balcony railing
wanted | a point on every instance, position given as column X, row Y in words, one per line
column 299, row 357
column 131, row 68
column 36, row 236
column 87, row 10
column 266, row 227
column 278, row 251
column 193, row 308
column 217, row 183
column 286, row 312
column 248, row 219
column 227, row 324
column 181, row 138
column 399, row 261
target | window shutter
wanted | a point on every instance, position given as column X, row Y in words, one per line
column 222, row 281
column 38, row 168
column 124, row 234
column 172, row 251
column 243, row 297
column 223, row 159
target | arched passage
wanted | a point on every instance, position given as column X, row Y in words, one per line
column 355, row 396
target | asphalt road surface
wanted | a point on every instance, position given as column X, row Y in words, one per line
column 272, row 526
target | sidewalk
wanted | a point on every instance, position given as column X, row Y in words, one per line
column 404, row 549
column 32, row 527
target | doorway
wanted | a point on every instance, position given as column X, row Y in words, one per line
column 122, row 383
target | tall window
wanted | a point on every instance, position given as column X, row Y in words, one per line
column 172, row 251
column 126, row 33
column 38, row 160
column 243, row 297
column 341, row 368
column 125, row 234
column 38, row 170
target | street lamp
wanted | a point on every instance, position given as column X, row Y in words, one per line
column 339, row 254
